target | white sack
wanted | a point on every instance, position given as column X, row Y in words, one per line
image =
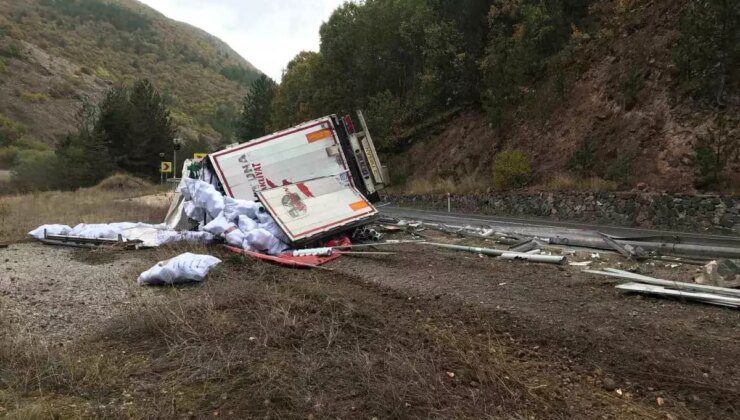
column 203, row 195
column 219, row 225
column 234, row 208
column 235, row 237
column 184, row 268
column 38, row 233
column 262, row 240
column 95, row 231
column 246, row 224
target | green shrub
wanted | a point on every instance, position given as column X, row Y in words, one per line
column 12, row 50
column 621, row 169
column 7, row 156
column 382, row 110
column 10, row 131
column 35, row 170
column 715, row 149
column 30, row 143
column 511, row 169
column 582, row 161
column 706, row 54
column 631, row 86
column 34, row 97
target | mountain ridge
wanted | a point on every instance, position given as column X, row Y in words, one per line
column 55, row 54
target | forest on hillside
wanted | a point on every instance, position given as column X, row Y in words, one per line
column 410, row 63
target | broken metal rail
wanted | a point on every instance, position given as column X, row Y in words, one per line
column 83, row 242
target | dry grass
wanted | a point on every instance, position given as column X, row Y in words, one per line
column 447, row 185
column 566, row 182
column 124, row 182
column 260, row 341
column 21, row 213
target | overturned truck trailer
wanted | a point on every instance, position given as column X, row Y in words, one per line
column 315, row 179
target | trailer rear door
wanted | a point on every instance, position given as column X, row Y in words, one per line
column 308, row 151
column 316, row 208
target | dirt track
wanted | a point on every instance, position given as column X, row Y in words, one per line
column 577, row 329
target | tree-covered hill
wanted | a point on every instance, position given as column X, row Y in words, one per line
column 56, row 53
column 577, row 93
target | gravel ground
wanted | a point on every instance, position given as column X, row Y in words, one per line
column 60, row 293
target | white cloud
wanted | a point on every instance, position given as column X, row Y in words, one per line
column 268, row 33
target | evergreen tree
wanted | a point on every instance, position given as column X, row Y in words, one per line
column 152, row 131
column 128, row 131
column 255, row 116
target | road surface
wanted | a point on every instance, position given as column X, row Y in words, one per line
column 531, row 225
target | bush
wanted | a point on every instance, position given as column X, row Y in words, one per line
column 382, row 110
column 706, row 54
column 511, row 169
column 565, row 182
column 12, row 50
column 35, row 170
column 582, row 161
column 123, row 182
column 33, row 97
column 7, row 156
column 631, row 86
column 715, row 150
column 30, row 143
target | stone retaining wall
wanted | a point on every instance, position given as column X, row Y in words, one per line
column 702, row 213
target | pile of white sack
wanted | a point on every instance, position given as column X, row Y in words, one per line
column 240, row 223
column 149, row 235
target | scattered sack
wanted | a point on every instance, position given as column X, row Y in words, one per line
column 184, row 268
column 38, row 233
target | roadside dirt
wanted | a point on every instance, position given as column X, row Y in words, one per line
column 420, row 333
column 649, row 348
column 60, row 294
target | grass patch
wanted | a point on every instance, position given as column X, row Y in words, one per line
column 566, row 182
column 466, row 185
column 124, row 182
column 261, row 341
column 21, row 213
column 33, row 97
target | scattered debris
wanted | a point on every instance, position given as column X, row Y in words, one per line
column 502, row 253
column 627, row 250
column 580, row 263
column 723, row 273
column 650, row 285
column 710, row 298
column 185, row 268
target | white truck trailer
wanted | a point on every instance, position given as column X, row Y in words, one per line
column 315, row 179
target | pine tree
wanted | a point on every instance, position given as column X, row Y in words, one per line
column 255, row 116
column 152, row 131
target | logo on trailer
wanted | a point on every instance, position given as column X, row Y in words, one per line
column 292, row 201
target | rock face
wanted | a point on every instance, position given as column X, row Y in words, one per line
column 692, row 213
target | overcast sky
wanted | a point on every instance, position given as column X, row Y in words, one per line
column 268, row 33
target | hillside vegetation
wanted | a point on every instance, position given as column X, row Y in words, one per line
column 56, row 53
column 607, row 93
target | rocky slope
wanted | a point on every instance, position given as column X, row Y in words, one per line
column 621, row 97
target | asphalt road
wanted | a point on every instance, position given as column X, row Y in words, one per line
column 532, row 225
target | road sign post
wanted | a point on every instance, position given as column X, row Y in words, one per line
column 165, row 168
